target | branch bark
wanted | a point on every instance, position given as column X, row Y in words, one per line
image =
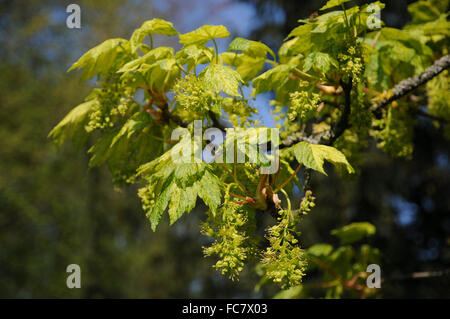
column 408, row 85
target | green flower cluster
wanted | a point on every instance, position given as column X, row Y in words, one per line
column 114, row 100
column 231, row 244
column 194, row 96
column 351, row 64
column 303, row 105
column 99, row 118
column 307, row 202
column 395, row 132
column 239, row 111
column 147, row 196
column 284, row 261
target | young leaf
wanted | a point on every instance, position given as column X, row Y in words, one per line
column 181, row 182
column 248, row 67
column 149, row 58
column 333, row 3
column 424, row 11
column 320, row 62
column 249, row 47
column 246, row 142
column 273, row 78
column 154, row 26
column 354, row 232
column 209, row 191
column 181, row 201
column 155, row 212
column 163, row 73
column 100, row 150
column 221, row 78
column 100, row 58
column 193, row 55
column 314, row 155
column 136, row 123
column 204, row 34
column 72, row 123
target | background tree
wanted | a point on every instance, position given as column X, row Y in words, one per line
column 51, row 215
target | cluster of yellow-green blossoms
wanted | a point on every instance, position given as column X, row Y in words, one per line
column 99, row 119
column 303, row 105
column 194, row 96
column 351, row 64
column 284, row 261
column 307, row 202
column 147, row 196
column 239, row 111
column 395, row 132
column 113, row 100
column 231, row 242
column 124, row 105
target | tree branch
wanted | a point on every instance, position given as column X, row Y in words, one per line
column 344, row 122
column 216, row 121
column 167, row 115
column 408, row 85
column 400, row 90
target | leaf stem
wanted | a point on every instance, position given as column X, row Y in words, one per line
column 304, row 75
column 287, row 199
column 289, row 178
column 345, row 16
column 217, row 51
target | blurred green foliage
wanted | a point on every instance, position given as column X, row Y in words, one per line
column 53, row 210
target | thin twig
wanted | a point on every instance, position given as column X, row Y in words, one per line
column 289, row 178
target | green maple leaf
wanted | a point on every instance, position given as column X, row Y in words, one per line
column 273, row 78
column 100, row 58
column 247, row 66
column 333, row 3
column 314, row 155
column 154, row 26
column 204, row 34
column 149, row 58
column 320, row 62
column 179, row 184
column 249, row 47
column 73, row 123
column 221, row 78
column 194, row 54
column 134, row 124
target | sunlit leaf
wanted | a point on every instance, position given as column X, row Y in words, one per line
column 100, row 58
column 154, row 26
column 249, row 47
column 221, row 78
column 314, row 155
column 204, row 34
